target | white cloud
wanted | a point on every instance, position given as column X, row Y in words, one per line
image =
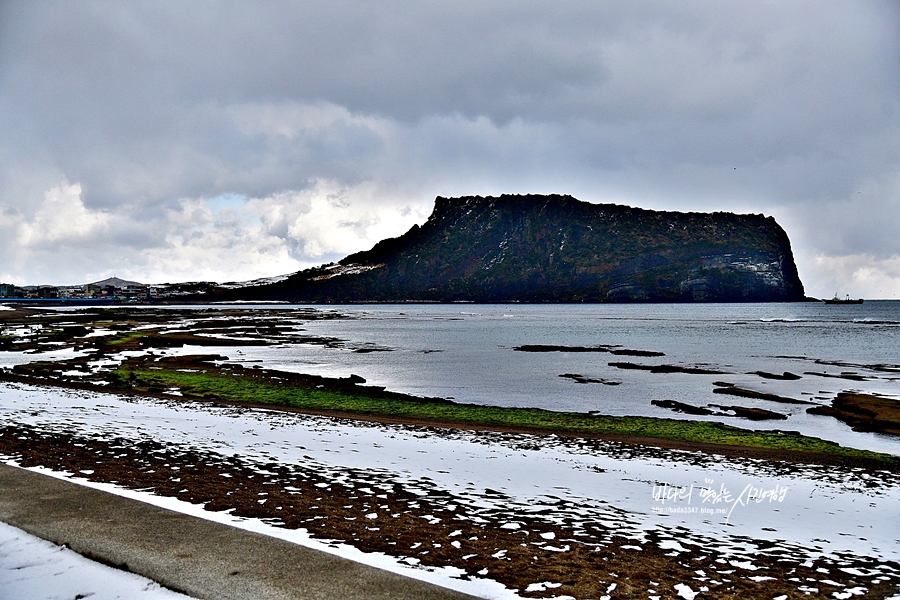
column 859, row 275
column 224, row 238
column 329, row 220
column 340, row 123
column 214, row 254
column 62, row 218
column 64, row 242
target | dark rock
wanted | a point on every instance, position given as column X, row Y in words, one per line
column 682, row 407
column 666, row 368
column 552, row 348
column 745, row 393
column 754, row 414
column 75, row 331
column 786, row 376
column 646, row 353
column 863, row 412
column 558, row 249
column 600, row 348
column 578, row 378
column 883, row 367
column 848, row 376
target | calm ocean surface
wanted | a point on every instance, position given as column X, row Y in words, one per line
column 465, row 352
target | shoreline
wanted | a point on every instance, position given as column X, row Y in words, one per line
column 487, row 530
column 883, row 462
column 151, row 419
column 102, row 341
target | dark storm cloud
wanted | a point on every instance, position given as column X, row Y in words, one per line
column 784, row 108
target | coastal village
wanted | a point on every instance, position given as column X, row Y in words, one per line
column 112, row 289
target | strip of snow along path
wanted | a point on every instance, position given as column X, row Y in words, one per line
column 31, row 568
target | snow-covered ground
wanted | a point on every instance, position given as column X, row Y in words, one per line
column 34, row 569
column 686, row 499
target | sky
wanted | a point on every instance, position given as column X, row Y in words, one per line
column 170, row 141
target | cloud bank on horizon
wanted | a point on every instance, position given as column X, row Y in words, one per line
column 228, row 141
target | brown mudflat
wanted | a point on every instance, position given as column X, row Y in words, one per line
column 362, row 508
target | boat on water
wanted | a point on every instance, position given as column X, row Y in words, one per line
column 845, row 300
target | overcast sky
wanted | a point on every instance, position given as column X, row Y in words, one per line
column 171, row 141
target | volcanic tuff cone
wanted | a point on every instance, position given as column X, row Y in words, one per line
column 558, row 249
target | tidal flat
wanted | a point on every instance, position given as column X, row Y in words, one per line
column 545, row 503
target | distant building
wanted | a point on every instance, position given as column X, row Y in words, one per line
column 47, row 291
column 133, row 293
column 71, row 291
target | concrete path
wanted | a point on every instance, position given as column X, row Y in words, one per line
column 190, row 555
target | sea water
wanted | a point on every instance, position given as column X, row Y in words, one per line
column 467, row 352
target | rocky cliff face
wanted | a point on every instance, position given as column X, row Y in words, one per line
column 559, row 249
